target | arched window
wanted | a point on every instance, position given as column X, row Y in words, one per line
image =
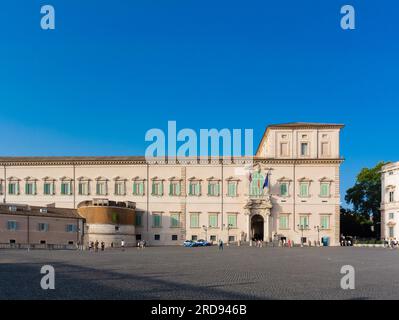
column 256, row 188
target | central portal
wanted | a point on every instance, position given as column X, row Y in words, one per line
column 257, row 227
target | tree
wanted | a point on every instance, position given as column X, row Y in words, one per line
column 355, row 224
column 365, row 195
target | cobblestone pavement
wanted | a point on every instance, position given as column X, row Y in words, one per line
column 201, row 273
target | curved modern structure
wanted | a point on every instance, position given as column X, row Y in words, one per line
column 108, row 221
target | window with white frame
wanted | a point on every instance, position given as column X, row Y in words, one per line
column 324, row 222
column 1, row 186
column 194, row 220
column 232, row 220
column 139, row 219
column 303, row 222
column 138, row 187
column 157, row 187
column 232, row 186
column 304, row 149
column 48, row 186
column 283, row 188
column 175, row 220
column 157, row 220
column 174, row 187
column 194, row 188
column 213, row 220
column 391, row 216
column 66, row 186
column 283, row 222
column 84, row 186
column 304, row 188
column 213, row 188
column 30, row 186
column 325, row 189
column 13, row 186
column 101, row 186
column 119, row 186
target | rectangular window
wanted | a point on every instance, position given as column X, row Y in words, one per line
column 284, row 189
column 284, row 149
column 391, row 232
column 120, row 188
column 304, row 222
column 157, row 237
column 138, row 237
column 212, row 238
column 232, row 220
column 71, row 228
column 12, row 225
column 304, row 189
column 157, row 188
column 174, row 188
column 325, row 149
column 325, row 189
column 174, row 237
column 13, row 188
column 213, row 189
column 174, row 220
column 30, row 188
column 194, row 238
column 232, row 188
column 101, row 188
column 232, row 238
column 1, row 187
column 83, row 188
column 156, row 220
column 43, row 227
column 304, row 149
column 283, row 222
column 48, row 188
column 194, row 220
column 194, row 188
column 138, row 188
column 66, row 188
column 139, row 219
column 325, row 222
column 391, row 216
column 213, row 220
column 391, row 196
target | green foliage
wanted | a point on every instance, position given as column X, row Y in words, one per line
column 365, row 199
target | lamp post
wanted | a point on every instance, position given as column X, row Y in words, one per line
column 228, row 228
column 318, row 234
column 302, row 227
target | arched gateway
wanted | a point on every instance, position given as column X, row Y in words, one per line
column 257, row 227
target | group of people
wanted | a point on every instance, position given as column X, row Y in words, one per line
column 141, row 244
column 393, row 243
column 96, row 245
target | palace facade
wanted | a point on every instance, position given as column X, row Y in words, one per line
column 167, row 202
column 390, row 201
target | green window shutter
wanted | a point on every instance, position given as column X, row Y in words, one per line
column 134, row 188
column 178, row 189
column 209, row 189
column 153, row 188
column 190, row 189
column 141, row 188
column 232, row 220
column 213, row 220
column 161, row 188
column 199, row 188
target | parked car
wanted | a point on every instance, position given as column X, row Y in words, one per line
column 189, row 243
column 203, row 243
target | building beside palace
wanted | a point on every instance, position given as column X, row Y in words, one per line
column 165, row 203
column 39, row 226
column 390, row 201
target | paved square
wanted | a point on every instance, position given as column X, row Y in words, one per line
column 201, row 273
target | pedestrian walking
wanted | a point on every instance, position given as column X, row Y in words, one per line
column 102, row 245
column 96, row 245
column 221, row 244
column 123, row 245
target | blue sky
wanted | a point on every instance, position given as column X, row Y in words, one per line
column 114, row 69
